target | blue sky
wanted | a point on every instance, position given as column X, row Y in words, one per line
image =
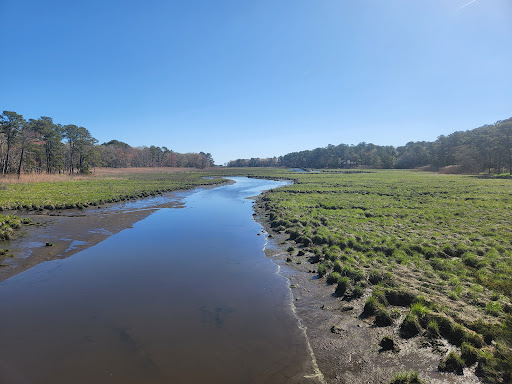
column 258, row 78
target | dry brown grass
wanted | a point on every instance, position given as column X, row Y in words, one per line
column 97, row 172
column 124, row 171
column 41, row 178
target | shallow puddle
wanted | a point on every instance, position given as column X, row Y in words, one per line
column 185, row 296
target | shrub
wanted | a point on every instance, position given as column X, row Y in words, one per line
column 293, row 233
column 422, row 300
column 448, row 250
column 474, row 339
column 354, row 273
column 380, row 296
column 471, row 260
column 456, row 334
column 306, row 241
column 489, row 332
column 451, row 331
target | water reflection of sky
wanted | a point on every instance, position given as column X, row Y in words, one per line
column 182, row 287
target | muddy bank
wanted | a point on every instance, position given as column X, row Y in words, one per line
column 344, row 342
column 57, row 234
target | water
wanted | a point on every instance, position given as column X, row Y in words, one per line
column 185, row 296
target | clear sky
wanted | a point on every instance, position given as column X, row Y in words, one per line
column 258, row 78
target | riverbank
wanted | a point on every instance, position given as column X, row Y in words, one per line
column 72, row 213
column 428, row 254
column 345, row 343
column 58, row 234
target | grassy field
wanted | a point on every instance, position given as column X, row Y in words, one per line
column 433, row 251
column 39, row 192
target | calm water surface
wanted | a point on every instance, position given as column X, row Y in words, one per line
column 185, row 296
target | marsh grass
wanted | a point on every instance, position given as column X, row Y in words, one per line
column 40, row 192
column 343, row 286
column 452, row 363
column 406, row 378
column 8, row 224
column 404, row 233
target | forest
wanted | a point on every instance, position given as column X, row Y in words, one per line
column 484, row 149
column 42, row 146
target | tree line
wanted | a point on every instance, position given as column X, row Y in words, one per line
column 42, row 146
column 488, row 148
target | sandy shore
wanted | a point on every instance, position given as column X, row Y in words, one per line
column 346, row 344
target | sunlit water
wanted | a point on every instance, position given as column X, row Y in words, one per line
column 185, row 296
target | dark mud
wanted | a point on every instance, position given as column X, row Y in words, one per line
column 72, row 230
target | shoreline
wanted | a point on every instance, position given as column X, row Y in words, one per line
column 69, row 231
column 345, row 344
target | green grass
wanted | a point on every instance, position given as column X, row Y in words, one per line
column 452, row 363
column 406, row 233
column 96, row 190
column 9, row 223
column 406, row 378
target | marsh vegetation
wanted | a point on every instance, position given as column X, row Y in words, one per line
column 432, row 253
column 49, row 192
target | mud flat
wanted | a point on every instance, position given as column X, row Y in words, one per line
column 60, row 234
